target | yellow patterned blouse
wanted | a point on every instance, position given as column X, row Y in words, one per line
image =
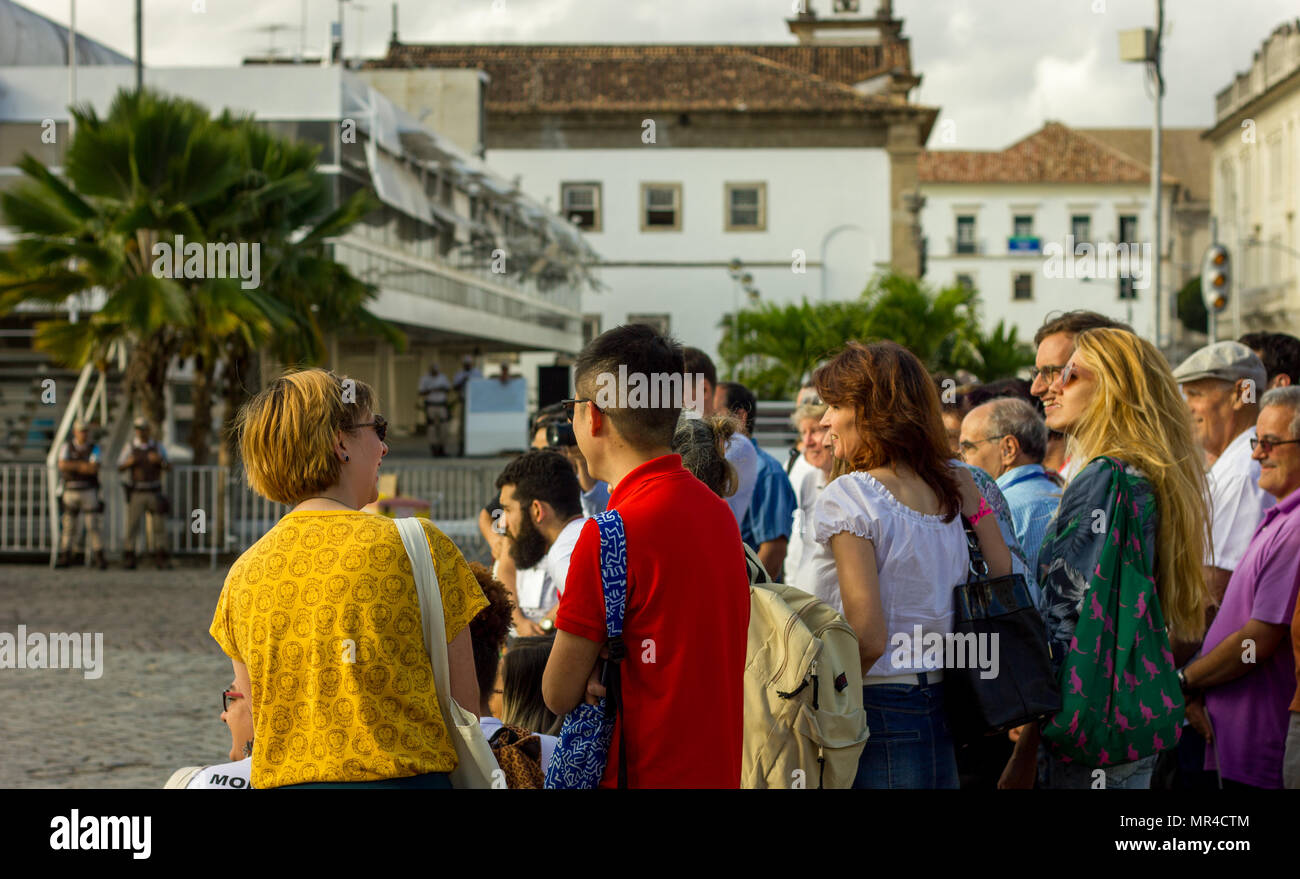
column 324, row 612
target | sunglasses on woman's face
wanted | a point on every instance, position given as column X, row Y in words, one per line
column 380, row 424
column 1070, row 373
column 228, row 696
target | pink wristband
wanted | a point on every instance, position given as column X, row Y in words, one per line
column 983, row 511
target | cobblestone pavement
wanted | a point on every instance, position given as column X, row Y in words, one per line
column 157, row 705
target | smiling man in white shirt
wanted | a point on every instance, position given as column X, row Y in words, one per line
column 1222, row 383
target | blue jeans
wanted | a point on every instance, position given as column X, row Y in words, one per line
column 910, row 745
column 1055, row 775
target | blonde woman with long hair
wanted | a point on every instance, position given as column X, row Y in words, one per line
column 1119, row 404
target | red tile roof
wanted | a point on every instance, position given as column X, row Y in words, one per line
column 659, row 78
column 1053, row 154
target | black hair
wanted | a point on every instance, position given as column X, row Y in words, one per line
column 1279, row 351
column 640, row 350
column 699, row 363
column 741, row 398
column 544, row 475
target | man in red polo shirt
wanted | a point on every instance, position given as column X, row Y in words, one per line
column 687, row 615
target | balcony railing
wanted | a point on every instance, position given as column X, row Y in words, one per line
column 966, row 248
column 481, row 291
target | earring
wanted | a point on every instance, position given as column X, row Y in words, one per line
column 346, row 458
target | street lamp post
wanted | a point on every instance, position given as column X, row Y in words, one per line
column 741, row 280
column 1143, row 44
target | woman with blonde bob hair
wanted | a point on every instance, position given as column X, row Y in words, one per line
column 1122, row 410
column 321, row 617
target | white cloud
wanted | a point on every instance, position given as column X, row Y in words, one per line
column 997, row 68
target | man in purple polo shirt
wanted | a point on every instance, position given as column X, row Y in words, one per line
column 1245, row 669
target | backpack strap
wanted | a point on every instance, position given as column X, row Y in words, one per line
column 613, row 579
column 757, row 573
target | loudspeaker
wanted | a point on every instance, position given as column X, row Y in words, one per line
column 552, row 385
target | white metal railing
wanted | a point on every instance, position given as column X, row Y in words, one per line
column 214, row 512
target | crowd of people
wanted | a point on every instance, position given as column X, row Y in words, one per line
column 1147, row 508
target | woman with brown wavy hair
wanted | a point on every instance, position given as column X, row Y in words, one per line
column 891, row 523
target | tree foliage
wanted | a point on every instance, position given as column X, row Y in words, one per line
column 158, row 166
column 770, row 348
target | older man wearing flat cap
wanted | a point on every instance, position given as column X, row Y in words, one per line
column 1222, row 383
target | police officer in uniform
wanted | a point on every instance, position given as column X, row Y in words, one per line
column 79, row 498
column 143, row 461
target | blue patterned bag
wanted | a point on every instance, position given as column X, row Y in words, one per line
column 580, row 756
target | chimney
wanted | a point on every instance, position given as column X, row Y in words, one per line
column 392, row 40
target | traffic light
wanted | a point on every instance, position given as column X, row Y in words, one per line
column 1216, row 278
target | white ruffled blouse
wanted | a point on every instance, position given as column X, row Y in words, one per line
column 919, row 559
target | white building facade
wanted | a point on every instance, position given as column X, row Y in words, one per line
column 1054, row 223
column 1256, row 137
column 710, row 177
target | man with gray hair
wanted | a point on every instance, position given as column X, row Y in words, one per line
column 1007, row 439
column 1246, row 671
column 1221, row 383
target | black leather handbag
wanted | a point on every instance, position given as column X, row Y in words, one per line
column 1000, row 613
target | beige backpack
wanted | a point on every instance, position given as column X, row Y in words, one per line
column 804, row 722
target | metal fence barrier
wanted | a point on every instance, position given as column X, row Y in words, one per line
column 215, row 513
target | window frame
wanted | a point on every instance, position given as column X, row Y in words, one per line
column 1015, row 279
column 1087, row 219
column 597, row 210
column 679, row 207
column 974, row 241
column 662, row 321
column 727, row 189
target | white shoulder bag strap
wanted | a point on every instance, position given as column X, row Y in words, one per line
column 476, row 765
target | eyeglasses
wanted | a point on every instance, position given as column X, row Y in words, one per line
column 1048, row 373
column 380, row 424
column 1268, row 445
column 228, row 696
column 571, row 403
column 967, row 446
column 1069, row 374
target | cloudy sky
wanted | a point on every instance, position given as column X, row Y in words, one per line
column 997, row 68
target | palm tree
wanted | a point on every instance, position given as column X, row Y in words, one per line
column 779, row 344
column 1002, row 354
column 157, row 166
column 132, row 178
column 285, row 206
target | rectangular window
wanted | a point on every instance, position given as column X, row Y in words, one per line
column 966, row 282
column 1022, row 226
column 661, row 207
column 661, row 322
column 1024, row 286
column 581, row 204
column 590, row 327
column 966, row 234
column 1081, row 228
column 746, row 207
column 1128, row 233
